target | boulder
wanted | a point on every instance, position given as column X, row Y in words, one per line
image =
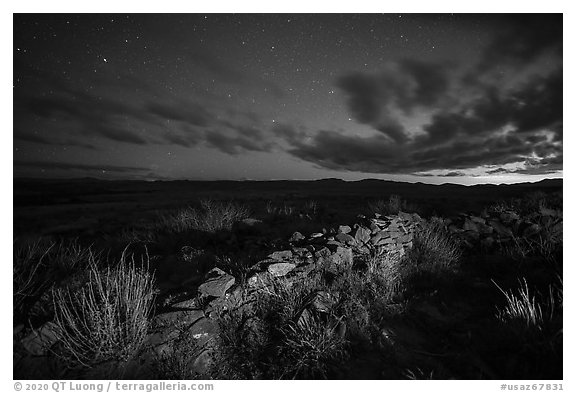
column 217, row 283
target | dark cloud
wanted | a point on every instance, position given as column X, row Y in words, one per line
column 50, row 165
column 43, row 140
column 519, row 40
column 500, row 127
column 234, row 145
column 189, row 139
column 91, row 115
column 453, row 174
column 405, row 85
column 190, row 113
column 292, row 134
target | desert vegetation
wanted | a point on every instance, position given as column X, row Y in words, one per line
column 290, row 290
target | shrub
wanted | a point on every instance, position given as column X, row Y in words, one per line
column 41, row 263
column 393, row 205
column 434, row 250
column 210, row 217
column 107, row 318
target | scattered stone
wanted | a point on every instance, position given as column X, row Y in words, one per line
column 217, row 283
column 316, row 235
column 346, row 239
column 280, row 269
column 362, row 235
column 41, row 340
column 250, row 226
column 530, row 230
column 296, row 237
column 259, row 280
column 344, row 229
column 281, row 255
column 342, row 257
column 470, row 225
column 322, row 254
column 509, row 217
column 500, row 228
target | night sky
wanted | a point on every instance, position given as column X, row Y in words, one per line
column 434, row 98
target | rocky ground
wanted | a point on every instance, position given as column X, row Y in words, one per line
column 443, row 326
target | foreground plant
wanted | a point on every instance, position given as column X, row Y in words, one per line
column 107, row 318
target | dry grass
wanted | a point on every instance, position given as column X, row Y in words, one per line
column 107, row 318
column 529, row 310
column 210, row 217
column 41, row 263
column 434, row 250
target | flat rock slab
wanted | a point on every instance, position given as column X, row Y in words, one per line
column 217, row 283
column 203, row 331
column 178, row 318
column 281, row 255
column 280, row 269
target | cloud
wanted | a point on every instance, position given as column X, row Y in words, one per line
column 50, row 165
column 453, row 174
column 234, row 145
column 517, row 126
column 519, row 40
column 43, row 140
column 375, row 99
column 190, row 113
column 90, row 115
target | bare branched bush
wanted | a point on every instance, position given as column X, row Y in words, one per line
column 28, row 271
column 107, row 318
column 42, row 263
column 210, row 217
